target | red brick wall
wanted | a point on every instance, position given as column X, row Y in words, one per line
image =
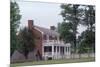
column 37, row 36
column 38, row 40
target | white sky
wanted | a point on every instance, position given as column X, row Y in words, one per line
column 43, row 14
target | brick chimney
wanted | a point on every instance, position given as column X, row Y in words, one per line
column 30, row 24
column 52, row 27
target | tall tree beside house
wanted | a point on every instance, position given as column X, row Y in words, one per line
column 26, row 41
column 89, row 21
column 14, row 24
column 89, row 17
column 71, row 18
column 87, row 39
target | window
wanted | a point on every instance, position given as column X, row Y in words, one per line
column 51, row 37
column 55, row 37
column 48, row 49
column 45, row 37
column 62, row 50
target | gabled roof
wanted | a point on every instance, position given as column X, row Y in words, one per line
column 47, row 31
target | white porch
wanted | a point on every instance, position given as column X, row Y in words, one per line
column 55, row 50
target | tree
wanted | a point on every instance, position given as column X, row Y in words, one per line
column 87, row 42
column 89, row 17
column 14, row 24
column 89, row 21
column 65, row 29
column 71, row 18
column 26, row 41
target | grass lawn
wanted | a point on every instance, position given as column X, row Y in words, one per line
column 60, row 61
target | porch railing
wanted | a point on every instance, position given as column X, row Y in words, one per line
column 48, row 53
column 53, row 42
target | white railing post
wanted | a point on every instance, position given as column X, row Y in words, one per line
column 64, row 51
column 59, row 51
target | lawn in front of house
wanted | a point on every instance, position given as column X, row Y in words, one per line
column 60, row 61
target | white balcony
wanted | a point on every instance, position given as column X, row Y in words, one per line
column 53, row 42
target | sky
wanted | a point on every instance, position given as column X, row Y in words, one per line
column 43, row 14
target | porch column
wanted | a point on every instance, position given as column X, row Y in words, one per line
column 47, row 38
column 52, row 51
column 43, row 51
column 58, row 39
column 67, row 49
column 64, row 50
column 59, row 50
column 56, row 52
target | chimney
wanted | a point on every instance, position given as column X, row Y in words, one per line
column 52, row 27
column 30, row 24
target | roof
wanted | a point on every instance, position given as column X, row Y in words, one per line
column 47, row 31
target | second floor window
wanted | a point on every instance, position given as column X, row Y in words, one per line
column 45, row 37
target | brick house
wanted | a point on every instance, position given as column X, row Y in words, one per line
column 48, row 43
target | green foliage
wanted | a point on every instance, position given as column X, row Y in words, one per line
column 14, row 24
column 73, row 15
column 26, row 41
column 87, row 41
column 71, row 18
column 87, row 38
column 66, row 31
column 89, row 17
